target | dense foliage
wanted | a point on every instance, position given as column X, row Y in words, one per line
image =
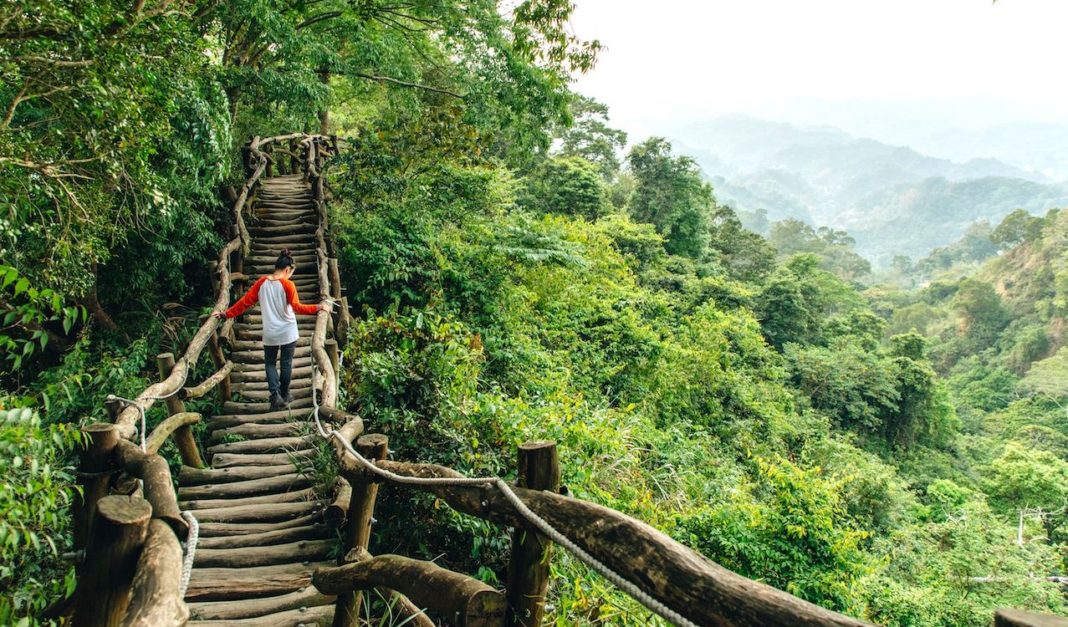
column 867, row 442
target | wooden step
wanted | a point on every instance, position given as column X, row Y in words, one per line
column 307, row 494
column 257, row 345
column 304, row 383
column 270, row 513
column 220, row 584
column 257, row 363
column 258, row 430
column 252, row 556
column 188, row 476
column 229, row 460
column 322, row 615
column 225, row 421
column 264, row 395
column 262, row 445
column 249, row 356
column 214, row 529
column 318, row 531
column 249, row 608
column 232, row 407
column 238, row 489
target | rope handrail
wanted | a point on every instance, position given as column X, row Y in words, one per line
column 525, row 512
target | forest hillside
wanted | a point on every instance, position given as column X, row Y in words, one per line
column 522, row 270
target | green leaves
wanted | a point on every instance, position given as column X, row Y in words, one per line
column 29, row 314
column 35, row 492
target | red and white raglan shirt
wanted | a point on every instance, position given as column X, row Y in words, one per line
column 278, row 303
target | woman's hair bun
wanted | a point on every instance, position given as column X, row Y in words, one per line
column 285, row 259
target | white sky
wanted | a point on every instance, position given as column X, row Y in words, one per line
column 960, row 62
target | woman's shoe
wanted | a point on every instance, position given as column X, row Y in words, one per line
column 277, row 402
column 287, row 400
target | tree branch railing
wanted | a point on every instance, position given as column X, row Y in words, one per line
column 127, row 523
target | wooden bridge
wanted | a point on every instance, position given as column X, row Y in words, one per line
column 261, row 542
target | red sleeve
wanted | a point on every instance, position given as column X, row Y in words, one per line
column 294, row 300
column 251, row 297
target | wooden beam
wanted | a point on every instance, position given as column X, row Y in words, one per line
column 183, row 433
column 221, row 375
column 171, row 425
column 462, row 600
column 684, row 580
column 1020, row 618
column 129, row 418
column 153, row 471
column 155, row 600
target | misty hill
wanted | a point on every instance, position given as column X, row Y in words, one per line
column 903, row 201
column 1040, row 147
column 912, row 219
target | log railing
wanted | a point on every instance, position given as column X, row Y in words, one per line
column 128, row 527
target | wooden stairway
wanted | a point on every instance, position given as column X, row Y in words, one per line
column 262, row 527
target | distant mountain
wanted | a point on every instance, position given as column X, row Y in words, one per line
column 1038, row 147
column 913, row 219
column 903, row 201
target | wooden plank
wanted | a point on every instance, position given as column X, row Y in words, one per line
column 251, row 608
column 248, row 557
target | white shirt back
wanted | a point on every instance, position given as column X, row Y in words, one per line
column 279, row 322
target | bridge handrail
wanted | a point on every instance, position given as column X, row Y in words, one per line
column 132, row 569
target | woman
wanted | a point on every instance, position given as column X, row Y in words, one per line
column 278, row 303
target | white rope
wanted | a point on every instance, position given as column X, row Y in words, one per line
column 525, row 512
column 190, row 552
column 141, row 410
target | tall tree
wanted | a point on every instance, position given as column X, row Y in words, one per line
column 589, row 136
column 670, row 194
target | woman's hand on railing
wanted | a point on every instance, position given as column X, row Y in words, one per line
column 326, row 305
column 221, row 315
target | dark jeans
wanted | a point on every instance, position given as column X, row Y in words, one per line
column 270, row 357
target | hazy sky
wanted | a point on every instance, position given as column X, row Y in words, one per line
column 846, row 62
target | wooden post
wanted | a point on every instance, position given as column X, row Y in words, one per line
column 294, row 161
column 246, row 158
column 116, row 536
column 213, row 271
column 219, row 360
column 332, row 353
column 183, row 437
column 335, row 278
column 102, row 440
column 528, row 570
column 237, row 258
column 357, row 532
column 344, row 318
